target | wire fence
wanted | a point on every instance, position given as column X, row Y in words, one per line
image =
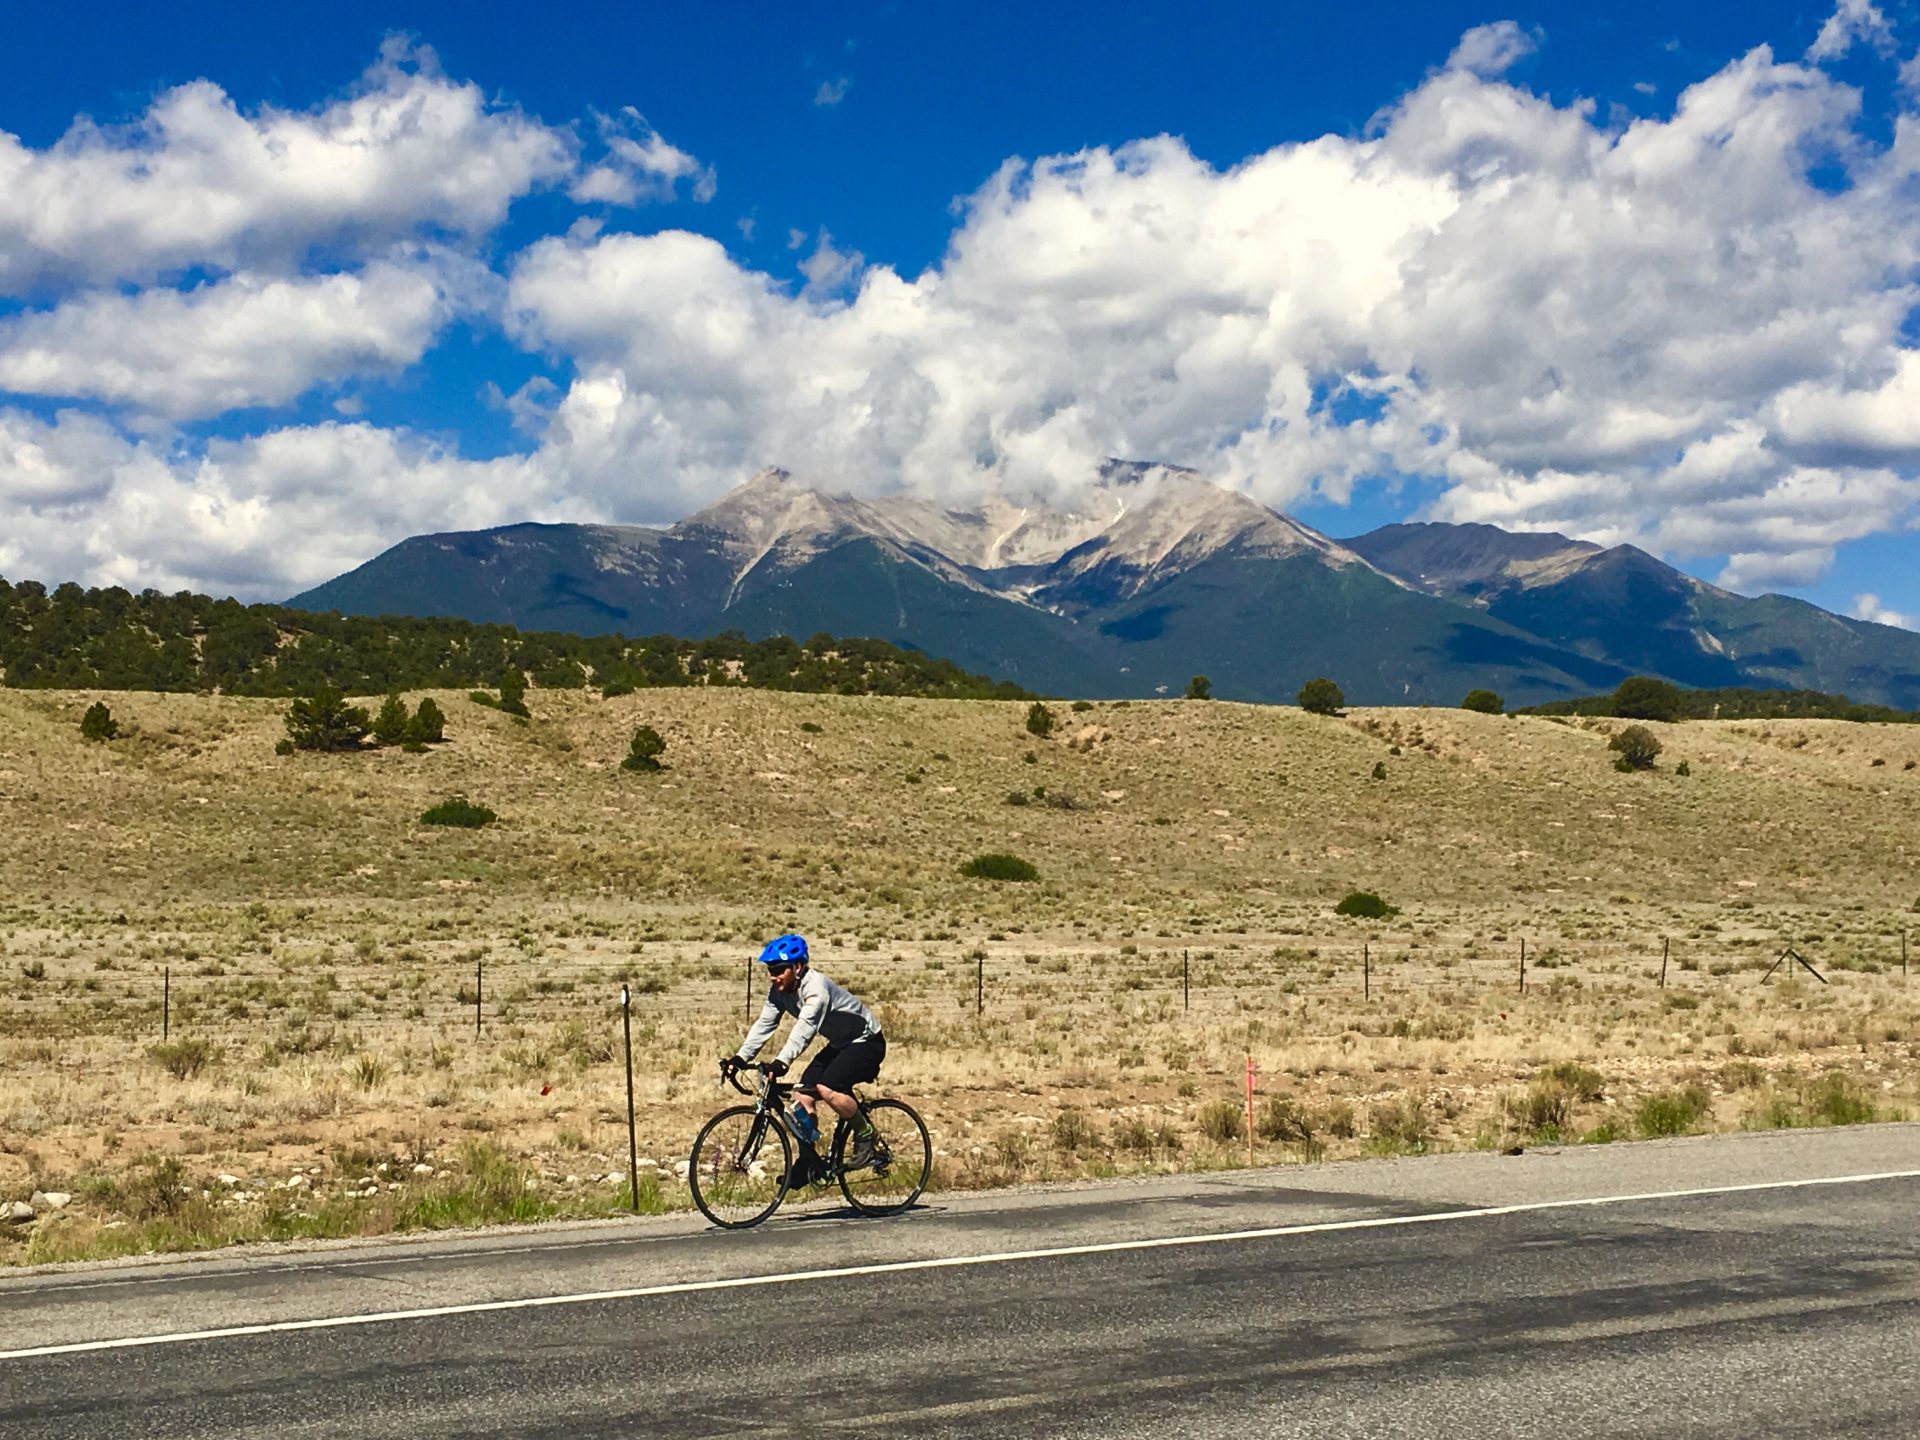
column 503, row 994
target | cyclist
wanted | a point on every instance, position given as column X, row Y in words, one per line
column 855, row 1047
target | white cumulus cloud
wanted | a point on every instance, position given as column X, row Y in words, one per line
column 1853, row 22
column 243, row 341
column 1868, row 607
column 1490, row 51
column 1668, row 330
column 197, row 182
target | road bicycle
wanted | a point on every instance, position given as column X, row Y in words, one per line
column 743, row 1158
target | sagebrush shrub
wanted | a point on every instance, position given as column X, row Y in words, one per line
column 460, row 812
column 1365, row 905
column 1222, row 1121
column 184, row 1058
column 1637, row 747
column 1670, row 1112
column 999, row 866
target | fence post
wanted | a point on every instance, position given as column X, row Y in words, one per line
column 979, row 981
column 1366, row 970
column 1903, row 954
column 1666, row 947
column 633, row 1143
column 1186, row 975
column 1523, row 964
column 166, row 1000
column 476, row 997
column 749, row 987
column 1249, row 1109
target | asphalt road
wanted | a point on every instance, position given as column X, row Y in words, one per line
column 1577, row 1292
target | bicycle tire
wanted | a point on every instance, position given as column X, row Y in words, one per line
column 730, row 1173
column 894, row 1187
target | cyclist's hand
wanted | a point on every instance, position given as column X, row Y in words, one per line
column 776, row 1068
column 729, row 1066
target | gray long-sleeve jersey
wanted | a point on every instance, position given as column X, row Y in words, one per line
column 819, row 1007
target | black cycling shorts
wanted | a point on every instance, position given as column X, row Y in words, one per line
column 842, row 1069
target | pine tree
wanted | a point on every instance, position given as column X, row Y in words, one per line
column 428, row 725
column 645, row 750
column 1320, row 696
column 324, row 721
column 98, row 723
column 390, row 725
column 513, row 691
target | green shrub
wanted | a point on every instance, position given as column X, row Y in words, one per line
column 1199, row 688
column 1018, row 797
column 1039, row 720
column 1641, row 697
column 998, row 866
column 1222, row 1121
column 1543, row 1111
column 428, row 725
column 1670, row 1112
column 644, row 750
column 513, row 691
column 1285, row 1121
column 809, row 727
column 1683, row 769
column 459, row 812
column 1379, row 769
column 1484, row 701
column 98, row 723
column 186, row 1057
column 1074, row 1132
column 1399, row 1127
column 1080, row 707
column 1365, row 905
column 1320, row 696
column 1838, row 1100
column 1583, row 1081
column 324, row 721
column 390, row 725
column 1637, row 746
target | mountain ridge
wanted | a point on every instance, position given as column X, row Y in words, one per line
column 1145, row 576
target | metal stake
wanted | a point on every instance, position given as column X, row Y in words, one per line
column 166, row 1000
column 476, row 997
column 633, row 1143
column 1366, row 971
column 1666, row 945
column 1186, row 976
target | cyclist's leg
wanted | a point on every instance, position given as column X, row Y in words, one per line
column 857, row 1064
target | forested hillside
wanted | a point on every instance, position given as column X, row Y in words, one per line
column 111, row 639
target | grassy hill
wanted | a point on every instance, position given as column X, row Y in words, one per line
column 321, row 944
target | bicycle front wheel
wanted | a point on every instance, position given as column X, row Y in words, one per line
column 902, row 1160
column 739, row 1167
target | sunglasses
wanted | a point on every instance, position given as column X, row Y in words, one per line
column 778, row 969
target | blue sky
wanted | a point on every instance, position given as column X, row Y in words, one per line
column 1615, row 270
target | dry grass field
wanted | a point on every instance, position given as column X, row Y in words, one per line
column 317, row 946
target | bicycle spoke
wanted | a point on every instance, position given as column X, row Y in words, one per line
column 903, row 1160
column 737, row 1168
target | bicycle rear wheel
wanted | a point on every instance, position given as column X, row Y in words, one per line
column 739, row 1167
column 903, row 1160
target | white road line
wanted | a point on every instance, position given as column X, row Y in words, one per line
column 955, row 1262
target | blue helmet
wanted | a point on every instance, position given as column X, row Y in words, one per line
column 785, row 950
